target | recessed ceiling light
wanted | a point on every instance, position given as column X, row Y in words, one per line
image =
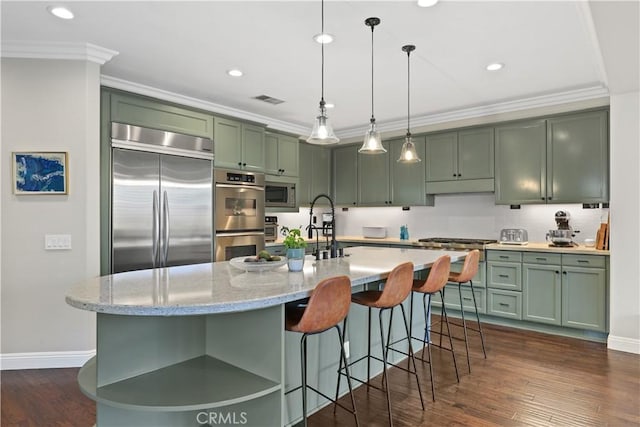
column 495, row 66
column 427, row 3
column 329, row 105
column 235, row 73
column 60, row 12
column 323, row 38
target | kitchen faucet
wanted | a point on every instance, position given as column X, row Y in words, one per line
column 334, row 246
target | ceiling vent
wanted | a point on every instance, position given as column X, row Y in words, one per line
column 269, row 99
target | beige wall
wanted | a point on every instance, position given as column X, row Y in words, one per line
column 49, row 105
column 624, row 306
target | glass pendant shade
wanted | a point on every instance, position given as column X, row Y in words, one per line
column 372, row 143
column 322, row 132
column 408, row 153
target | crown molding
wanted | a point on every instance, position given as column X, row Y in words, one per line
column 164, row 95
column 57, row 50
column 541, row 101
column 485, row 110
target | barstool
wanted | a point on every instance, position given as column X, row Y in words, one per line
column 434, row 283
column 327, row 307
column 469, row 270
column 396, row 289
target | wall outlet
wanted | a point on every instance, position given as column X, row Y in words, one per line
column 55, row 242
column 346, row 349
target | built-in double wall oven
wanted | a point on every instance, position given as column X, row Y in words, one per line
column 239, row 213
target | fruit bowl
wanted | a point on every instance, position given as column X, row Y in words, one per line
column 241, row 264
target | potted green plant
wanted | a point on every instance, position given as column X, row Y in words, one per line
column 295, row 244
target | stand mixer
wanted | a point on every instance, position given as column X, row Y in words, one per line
column 563, row 236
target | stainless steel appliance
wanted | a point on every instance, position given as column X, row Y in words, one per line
column 239, row 213
column 514, row 236
column 563, row 236
column 270, row 228
column 162, row 195
column 455, row 244
column 280, row 194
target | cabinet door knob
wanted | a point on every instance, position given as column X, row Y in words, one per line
column 549, row 198
column 541, row 198
column 239, row 163
column 557, row 272
column 564, row 272
column 455, row 174
column 244, row 164
column 459, row 174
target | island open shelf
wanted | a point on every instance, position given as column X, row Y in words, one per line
column 193, row 384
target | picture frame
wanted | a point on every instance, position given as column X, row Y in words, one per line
column 40, row 172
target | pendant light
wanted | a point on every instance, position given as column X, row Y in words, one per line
column 322, row 132
column 372, row 143
column 408, row 153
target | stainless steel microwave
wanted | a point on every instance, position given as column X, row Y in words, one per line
column 280, row 194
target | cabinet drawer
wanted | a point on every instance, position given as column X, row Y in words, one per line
column 504, row 256
column 541, row 258
column 504, row 275
column 504, row 303
column 276, row 250
column 596, row 261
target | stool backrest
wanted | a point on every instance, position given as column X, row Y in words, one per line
column 470, row 266
column 328, row 305
column 437, row 277
column 398, row 285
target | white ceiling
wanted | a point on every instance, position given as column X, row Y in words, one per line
column 548, row 48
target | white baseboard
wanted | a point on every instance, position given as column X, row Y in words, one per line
column 629, row 345
column 45, row 359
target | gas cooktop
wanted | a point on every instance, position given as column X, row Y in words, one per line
column 454, row 243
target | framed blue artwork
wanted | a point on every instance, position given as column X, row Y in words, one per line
column 40, row 172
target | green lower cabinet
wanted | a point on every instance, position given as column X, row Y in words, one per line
column 504, row 303
column 584, row 303
column 504, row 275
column 542, row 293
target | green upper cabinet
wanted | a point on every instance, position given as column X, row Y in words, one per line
column 577, row 158
column 238, row 145
column 460, row 162
column 373, row 179
column 521, row 157
column 141, row 111
column 281, row 154
column 562, row 159
column 345, row 175
column 315, row 174
column 407, row 179
column 442, row 157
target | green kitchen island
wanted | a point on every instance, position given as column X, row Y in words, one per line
column 205, row 344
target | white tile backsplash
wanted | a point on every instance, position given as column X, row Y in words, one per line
column 466, row 215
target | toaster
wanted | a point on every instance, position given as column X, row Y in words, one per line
column 513, row 236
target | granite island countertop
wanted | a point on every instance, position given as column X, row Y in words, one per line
column 218, row 287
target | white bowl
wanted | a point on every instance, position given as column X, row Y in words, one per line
column 590, row 243
column 240, row 264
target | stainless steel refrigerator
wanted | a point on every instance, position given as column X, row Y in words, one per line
column 162, row 196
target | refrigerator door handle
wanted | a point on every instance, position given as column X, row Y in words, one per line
column 155, row 231
column 165, row 228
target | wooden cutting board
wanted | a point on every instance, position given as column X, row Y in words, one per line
column 600, row 236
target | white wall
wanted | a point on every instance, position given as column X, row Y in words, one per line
column 470, row 216
column 49, row 105
column 625, row 223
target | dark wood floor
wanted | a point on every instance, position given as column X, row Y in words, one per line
column 528, row 379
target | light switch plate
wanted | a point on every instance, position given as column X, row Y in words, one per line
column 55, row 242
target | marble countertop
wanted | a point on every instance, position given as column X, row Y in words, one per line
column 218, row 287
column 544, row 247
